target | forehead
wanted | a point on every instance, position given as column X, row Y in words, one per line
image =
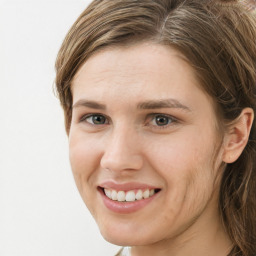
column 137, row 72
column 147, row 56
column 132, row 63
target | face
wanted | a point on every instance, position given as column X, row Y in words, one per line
column 142, row 141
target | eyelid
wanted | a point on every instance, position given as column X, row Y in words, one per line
column 154, row 115
column 84, row 117
column 148, row 120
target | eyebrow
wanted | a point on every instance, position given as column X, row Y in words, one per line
column 164, row 103
column 150, row 104
column 89, row 104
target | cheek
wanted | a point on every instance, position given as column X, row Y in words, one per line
column 83, row 151
column 186, row 164
column 179, row 155
column 84, row 159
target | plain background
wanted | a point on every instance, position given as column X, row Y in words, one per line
column 41, row 212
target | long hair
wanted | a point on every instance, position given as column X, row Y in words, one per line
column 218, row 40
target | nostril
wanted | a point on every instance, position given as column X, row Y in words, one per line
column 120, row 163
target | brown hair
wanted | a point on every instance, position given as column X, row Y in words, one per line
column 218, row 39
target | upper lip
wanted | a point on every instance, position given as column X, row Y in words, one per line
column 126, row 186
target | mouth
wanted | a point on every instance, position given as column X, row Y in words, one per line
column 130, row 195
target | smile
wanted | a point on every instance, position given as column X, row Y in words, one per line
column 129, row 196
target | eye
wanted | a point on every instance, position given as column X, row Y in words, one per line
column 95, row 119
column 161, row 120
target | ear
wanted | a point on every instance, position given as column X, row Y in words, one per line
column 237, row 136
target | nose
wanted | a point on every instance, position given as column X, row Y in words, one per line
column 122, row 151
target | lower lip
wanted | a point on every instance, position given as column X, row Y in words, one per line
column 126, row 207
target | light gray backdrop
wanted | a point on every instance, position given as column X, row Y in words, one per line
column 41, row 213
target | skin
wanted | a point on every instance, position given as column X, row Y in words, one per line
column 131, row 146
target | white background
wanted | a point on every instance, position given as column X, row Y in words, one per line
column 41, row 212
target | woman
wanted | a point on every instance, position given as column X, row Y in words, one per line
column 159, row 100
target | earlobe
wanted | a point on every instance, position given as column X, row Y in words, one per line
column 237, row 136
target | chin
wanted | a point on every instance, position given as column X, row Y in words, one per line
column 126, row 240
column 127, row 237
column 119, row 240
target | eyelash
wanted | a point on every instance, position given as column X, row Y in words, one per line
column 85, row 117
column 171, row 120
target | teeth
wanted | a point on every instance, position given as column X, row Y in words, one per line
column 113, row 195
column 146, row 194
column 129, row 196
column 108, row 193
column 121, row 196
column 139, row 195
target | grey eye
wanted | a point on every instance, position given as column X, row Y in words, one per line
column 96, row 119
column 161, row 120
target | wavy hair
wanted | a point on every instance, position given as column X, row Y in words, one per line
column 218, row 39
